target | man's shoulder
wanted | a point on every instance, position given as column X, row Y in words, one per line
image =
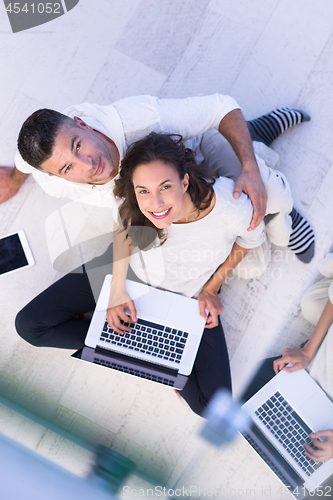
column 87, row 108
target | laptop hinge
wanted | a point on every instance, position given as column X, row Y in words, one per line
column 136, row 361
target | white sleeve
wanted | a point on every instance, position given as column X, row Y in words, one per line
column 247, row 239
column 330, row 292
column 189, row 117
column 195, row 115
column 22, row 165
column 252, row 239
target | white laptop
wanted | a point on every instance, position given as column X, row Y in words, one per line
column 163, row 343
column 284, row 412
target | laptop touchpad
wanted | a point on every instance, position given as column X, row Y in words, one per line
column 319, row 410
column 153, row 305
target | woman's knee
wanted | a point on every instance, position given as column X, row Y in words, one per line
column 30, row 328
column 314, row 300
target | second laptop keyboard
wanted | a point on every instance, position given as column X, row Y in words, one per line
column 289, row 429
column 150, row 338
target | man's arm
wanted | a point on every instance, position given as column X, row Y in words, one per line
column 194, row 116
column 234, row 128
column 11, row 179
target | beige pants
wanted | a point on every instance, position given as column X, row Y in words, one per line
column 315, row 298
column 313, row 303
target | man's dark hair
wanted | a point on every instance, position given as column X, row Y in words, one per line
column 37, row 135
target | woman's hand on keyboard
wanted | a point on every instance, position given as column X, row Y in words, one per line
column 119, row 301
column 324, row 441
column 210, row 300
column 300, row 358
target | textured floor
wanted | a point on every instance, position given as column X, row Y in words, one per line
column 265, row 54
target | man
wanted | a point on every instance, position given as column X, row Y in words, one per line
column 81, row 155
column 127, row 120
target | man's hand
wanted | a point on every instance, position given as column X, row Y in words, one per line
column 114, row 313
column 250, row 182
column 11, row 180
column 325, row 451
column 300, row 358
column 210, row 300
column 235, row 130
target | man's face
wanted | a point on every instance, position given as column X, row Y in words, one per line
column 80, row 155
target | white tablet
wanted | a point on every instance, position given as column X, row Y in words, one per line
column 15, row 253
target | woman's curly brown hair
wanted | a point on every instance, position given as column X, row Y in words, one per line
column 169, row 149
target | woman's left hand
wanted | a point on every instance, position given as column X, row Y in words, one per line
column 300, row 358
column 210, row 300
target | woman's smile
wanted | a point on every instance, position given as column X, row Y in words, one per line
column 161, row 215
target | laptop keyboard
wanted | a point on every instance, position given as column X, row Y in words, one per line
column 289, row 429
column 149, row 338
column 133, row 371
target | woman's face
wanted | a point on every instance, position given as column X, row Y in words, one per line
column 160, row 192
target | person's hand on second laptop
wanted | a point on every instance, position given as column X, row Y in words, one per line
column 325, row 445
column 300, row 358
column 114, row 313
column 11, row 180
column 250, row 182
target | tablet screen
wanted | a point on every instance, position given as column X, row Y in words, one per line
column 12, row 255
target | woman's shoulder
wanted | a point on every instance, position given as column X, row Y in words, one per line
column 224, row 189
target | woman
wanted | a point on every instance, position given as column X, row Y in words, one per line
column 186, row 233
column 314, row 355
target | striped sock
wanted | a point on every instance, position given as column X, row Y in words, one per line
column 268, row 127
column 302, row 238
